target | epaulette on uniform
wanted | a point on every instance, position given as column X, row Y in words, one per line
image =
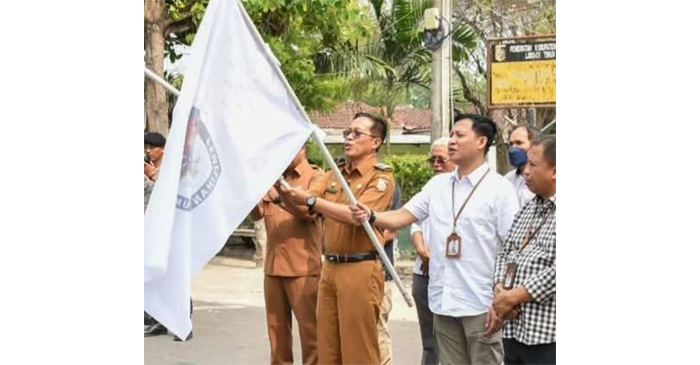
column 340, row 161
column 383, row 167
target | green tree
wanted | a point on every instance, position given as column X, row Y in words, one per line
column 394, row 60
column 166, row 24
column 497, row 19
column 299, row 32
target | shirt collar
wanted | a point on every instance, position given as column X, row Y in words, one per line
column 298, row 170
column 552, row 201
column 301, row 168
column 475, row 175
column 363, row 167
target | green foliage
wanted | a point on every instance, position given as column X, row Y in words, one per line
column 545, row 20
column 411, row 173
column 410, row 170
column 314, row 155
column 187, row 14
column 394, row 65
column 301, row 32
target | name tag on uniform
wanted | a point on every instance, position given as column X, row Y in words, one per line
column 511, row 270
column 454, row 246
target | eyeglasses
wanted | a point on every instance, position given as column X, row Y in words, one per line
column 356, row 133
column 439, row 160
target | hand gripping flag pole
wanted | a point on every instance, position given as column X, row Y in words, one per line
column 317, row 136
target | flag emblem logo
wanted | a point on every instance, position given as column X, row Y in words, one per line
column 200, row 168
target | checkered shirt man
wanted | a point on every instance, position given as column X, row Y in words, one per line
column 536, row 272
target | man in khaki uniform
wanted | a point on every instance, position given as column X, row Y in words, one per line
column 292, row 266
column 352, row 280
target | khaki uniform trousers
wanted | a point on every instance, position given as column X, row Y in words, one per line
column 349, row 300
column 383, row 327
column 284, row 295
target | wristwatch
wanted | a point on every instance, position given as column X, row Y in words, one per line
column 310, row 202
column 372, row 217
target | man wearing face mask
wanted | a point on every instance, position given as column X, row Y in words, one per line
column 520, row 141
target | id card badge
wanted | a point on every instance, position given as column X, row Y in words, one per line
column 454, row 246
column 511, row 270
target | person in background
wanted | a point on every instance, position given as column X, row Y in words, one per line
column 520, row 141
column 292, row 266
column 385, row 351
column 526, row 266
column 153, row 148
column 440, row 163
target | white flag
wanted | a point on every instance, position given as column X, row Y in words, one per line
column 235, row 129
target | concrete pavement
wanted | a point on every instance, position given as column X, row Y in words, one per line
column 230, row 328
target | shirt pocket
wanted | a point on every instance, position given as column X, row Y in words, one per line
column 545, row 251
column 477, row 215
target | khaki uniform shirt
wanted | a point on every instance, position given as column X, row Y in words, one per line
column 373, row 185
column 293, row 244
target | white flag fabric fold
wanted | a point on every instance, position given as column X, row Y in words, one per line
column 235, row 129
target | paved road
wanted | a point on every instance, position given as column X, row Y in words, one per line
column 229, row 322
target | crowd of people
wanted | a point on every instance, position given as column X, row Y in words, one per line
column 484, row 280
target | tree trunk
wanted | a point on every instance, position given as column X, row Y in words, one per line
column 501, row 147
column 388, row 131
column 155, row 21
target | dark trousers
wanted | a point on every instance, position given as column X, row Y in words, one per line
column 518, row 353
column 425, row 320
column 148, row 320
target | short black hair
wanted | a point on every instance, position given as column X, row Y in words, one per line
column 549, row 143
column 154, row 139
column 533, row 133
column 482, row 126
column 378, row 125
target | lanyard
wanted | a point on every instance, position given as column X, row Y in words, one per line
column 454, row 223
column 528, row 236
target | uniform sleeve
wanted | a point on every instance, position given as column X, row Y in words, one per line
column 317, row 186
column 318, row 176
column 379, row 193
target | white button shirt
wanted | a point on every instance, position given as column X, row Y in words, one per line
column 418, row 227
column 521, row 190
column 463, row 286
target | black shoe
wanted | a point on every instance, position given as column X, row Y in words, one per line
column 148, row 320
column 189, row 337
column 155, row 330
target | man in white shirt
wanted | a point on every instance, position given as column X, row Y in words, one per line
column 440, row 163
column 472, row 209
column 520, row 141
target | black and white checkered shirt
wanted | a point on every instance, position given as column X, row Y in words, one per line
column 537, row 269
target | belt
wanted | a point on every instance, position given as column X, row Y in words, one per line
column 342, row 258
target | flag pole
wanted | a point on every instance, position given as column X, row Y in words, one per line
column 151, row 75
column 317, row 137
